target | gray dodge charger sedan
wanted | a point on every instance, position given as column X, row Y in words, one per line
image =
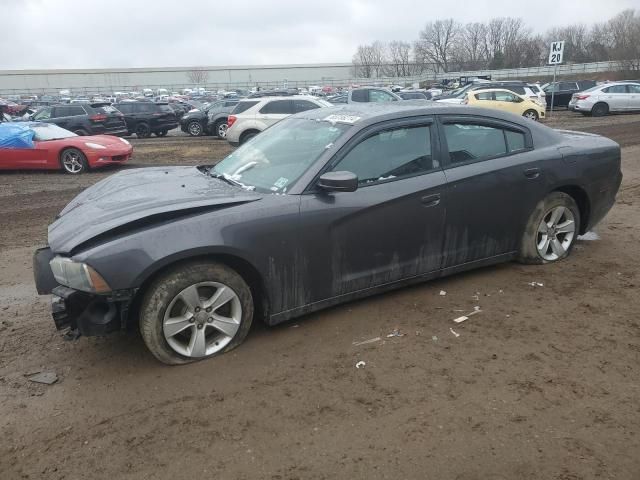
column 325, row 207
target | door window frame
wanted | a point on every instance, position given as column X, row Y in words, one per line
column 370, row 131
column 443, row 120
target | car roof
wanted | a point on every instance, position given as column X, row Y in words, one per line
column 493, row 89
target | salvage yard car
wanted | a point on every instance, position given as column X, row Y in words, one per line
column 46, row 146
column 602, row 99
column 505, row 100
column 326, row 206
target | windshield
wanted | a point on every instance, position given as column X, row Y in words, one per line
column 276, row 158
column 51, row 132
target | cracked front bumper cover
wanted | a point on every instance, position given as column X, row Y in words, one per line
column 89, row 314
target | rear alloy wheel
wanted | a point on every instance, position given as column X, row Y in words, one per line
column 194, row 129
column 73, row 161
column 195, row 311
column 143, row 130
column 531, row 115
column 551, row 230
column 221, row 129
column 600, row 110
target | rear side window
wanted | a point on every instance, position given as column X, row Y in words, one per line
column 387, row 155
column 634, row 88
column 69, row 111
column 503, row 96
column 278, row 107
column 468, row 142
column 484, row 96
column 519, row 90
column 303, row 105
column 230, row 104
column 616, row 89
column 568, row 86
column 380, row 96
column 243, row 106
column 144, row 108
column 515, row 141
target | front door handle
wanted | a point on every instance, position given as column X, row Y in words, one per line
column 532, row 173
column 430, row 200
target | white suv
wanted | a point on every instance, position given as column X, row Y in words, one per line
column 253, row 115
column 610, row 97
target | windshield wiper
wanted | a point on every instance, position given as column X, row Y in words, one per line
column 225, row 178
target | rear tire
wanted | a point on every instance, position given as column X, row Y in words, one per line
column 163, row 308
column 143, row 130
column 599, row 110
column 73, row 161
column 161, row 133
column 547, row 239
column 220, row 129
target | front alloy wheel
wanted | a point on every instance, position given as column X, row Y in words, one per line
column 195, row 129
column 202, row 319
column 73, row 161
column 194, row 311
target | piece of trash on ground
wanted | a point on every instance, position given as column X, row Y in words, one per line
column 454, row 332
column 360, row 364
column 395, row 333
column 47, row 378
column 366, row 342
column 466, row 317
column 434, row 338
column 535, row 284
column 589, row 236
column 442, row 293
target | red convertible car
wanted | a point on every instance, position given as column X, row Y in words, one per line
column 51, row 147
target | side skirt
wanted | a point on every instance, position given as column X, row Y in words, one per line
column 348, row 297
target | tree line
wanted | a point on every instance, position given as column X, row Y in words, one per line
column 505, row 42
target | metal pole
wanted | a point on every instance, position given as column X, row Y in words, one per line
column 553, row 92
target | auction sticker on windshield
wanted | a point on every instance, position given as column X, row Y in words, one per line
column 351, row 119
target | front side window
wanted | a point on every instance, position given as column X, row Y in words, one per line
column 387, row 155
column 303, row 105
column 568, row 86
column 359, row 96
column 484, row 96
column 380, row 96
column 43, row 114
column 277, row 107
column 503, row 96
column 468, row 142
column 275, row 159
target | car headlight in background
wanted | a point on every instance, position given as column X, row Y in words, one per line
column 95, row 146
column 126, row 142
column 77, row 275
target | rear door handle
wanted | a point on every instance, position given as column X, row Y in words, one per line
column 532, row 173
column 430, row 200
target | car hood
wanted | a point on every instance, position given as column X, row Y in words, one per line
column 145, row 194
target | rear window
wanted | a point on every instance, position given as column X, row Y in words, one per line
column 243, row 106
column 69, row 111
column 107, row 109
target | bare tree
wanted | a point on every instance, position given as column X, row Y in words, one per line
column 198, row 76
column 399, row 58
column 437, row 41
column 369, row 60
column 624, row 31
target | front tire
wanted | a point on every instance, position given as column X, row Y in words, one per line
column 531, row 115
column 194, row 129
column 551, row 230
column 195, row 311
column 73, row 161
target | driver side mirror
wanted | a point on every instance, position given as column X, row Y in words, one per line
column 338, row 182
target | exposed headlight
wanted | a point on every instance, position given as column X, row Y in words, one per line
column 126, row 142
column 95, row 146
column 78, row 276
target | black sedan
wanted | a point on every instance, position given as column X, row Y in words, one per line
column 326, row 206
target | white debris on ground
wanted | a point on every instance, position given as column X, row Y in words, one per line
column 395, row 333
column 442, row 293
column 454, row 332
column 367, row 342
column 466, row 317
column 360, row 364
column 535, row 284
column 589, row 236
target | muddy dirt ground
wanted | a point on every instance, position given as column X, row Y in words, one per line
column 543, row 384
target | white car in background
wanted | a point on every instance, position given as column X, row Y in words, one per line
column 253, row 115
column 610, row 97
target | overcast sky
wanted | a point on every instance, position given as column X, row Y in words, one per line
column 154, row 33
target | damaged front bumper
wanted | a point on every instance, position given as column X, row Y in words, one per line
column 85, row 313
